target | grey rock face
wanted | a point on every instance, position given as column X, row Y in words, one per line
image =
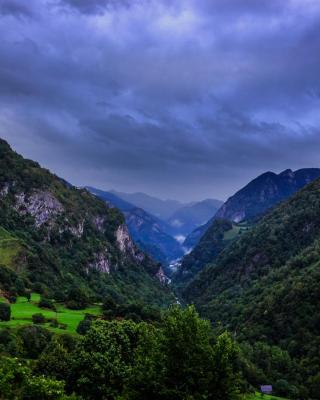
column 43, row 206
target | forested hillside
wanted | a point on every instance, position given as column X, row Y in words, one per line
column 54, row 236
column 265, row 286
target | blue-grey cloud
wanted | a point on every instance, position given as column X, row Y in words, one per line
column 182, row 98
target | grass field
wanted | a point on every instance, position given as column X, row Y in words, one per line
column 22, row 311
column 259, row 396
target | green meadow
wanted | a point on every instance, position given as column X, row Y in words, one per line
column 259, row 396
column 22, row 311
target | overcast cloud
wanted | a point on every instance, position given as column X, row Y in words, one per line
column 185, row 99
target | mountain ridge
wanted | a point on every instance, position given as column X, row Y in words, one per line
column 68, row 237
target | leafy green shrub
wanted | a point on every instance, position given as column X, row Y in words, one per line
column 38, row 318
column 46, row 303
column 84, row 325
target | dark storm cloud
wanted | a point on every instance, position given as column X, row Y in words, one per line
column 18, row 8
column 181, row 98
column 96, row 6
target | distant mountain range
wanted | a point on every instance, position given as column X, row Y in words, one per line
column 162, row 209
column 161, row 237
column 148, row 231
column 190, row 216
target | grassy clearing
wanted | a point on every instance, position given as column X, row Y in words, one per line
column 10, row 247
column 232, row 233
column 22, row 311
column 236, row 230
column 259, row 396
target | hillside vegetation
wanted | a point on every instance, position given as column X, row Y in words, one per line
column 265, row 287
column 217, row 238
column 54, row 236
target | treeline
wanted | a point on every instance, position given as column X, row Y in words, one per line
column 177, row 357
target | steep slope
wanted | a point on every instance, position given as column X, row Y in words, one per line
column 247, row 204
column 266, row 286
column 148, row 232
column 264, row 192
column 221, row 233
column 56, row 236
column 189, row 217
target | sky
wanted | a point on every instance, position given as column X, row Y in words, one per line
column 184, row 99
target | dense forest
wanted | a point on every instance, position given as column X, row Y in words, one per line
column 265, row 289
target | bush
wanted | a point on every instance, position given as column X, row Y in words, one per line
column 5, row 312
column 84, row 325
column 38, row 318
column 73, row 305
column 46, row 303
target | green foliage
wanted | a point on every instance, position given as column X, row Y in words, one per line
column 34, row 340
column 85, row 325
column 17, row 382
column 265, row 288
column 5, row 312
column 46, row 303
column 178, row 359
column 134, row 311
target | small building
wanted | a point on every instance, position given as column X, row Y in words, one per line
column 266, row 389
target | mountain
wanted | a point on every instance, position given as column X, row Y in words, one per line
column 162, row 209
column 264, row 192
column 250, row 202
column 191, row 216
column 112, row 199
column 148, row 232
column 265, row 286
column 54, row 236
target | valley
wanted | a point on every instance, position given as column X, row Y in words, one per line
column 88, row 263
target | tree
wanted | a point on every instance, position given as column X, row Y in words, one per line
column 103, row 360
column 5, row 312
column 34, row 338
column 193, row 365
column 17, row 382
column 77, row 298
column 54, row 360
